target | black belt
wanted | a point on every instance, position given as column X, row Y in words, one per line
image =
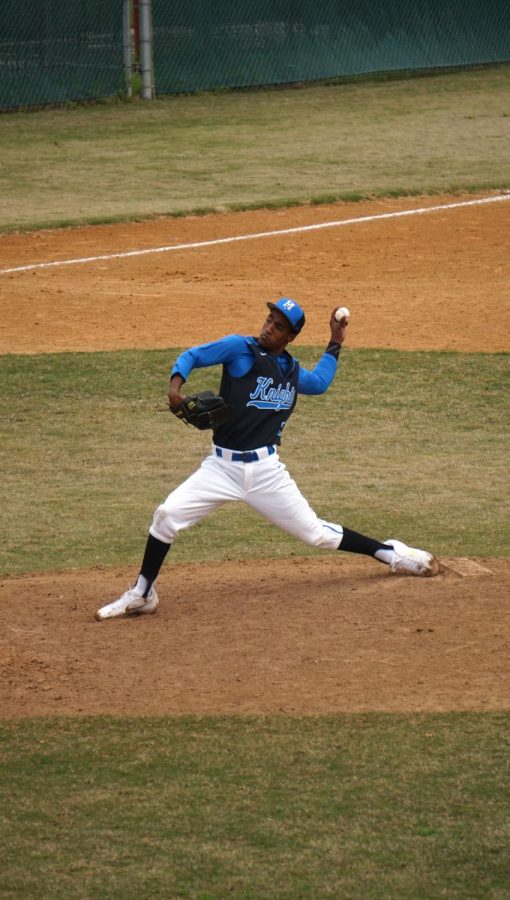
column 244, row 456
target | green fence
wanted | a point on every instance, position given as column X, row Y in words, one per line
column 202, row 45
column 52, row 51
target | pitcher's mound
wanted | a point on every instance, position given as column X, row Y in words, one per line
column 300, row 635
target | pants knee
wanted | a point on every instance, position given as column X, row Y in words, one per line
column 326, row 536
column 313, row 537
column 162, row 526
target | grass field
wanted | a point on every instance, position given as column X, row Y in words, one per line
column 361, row 806
column 432, row 134
column 72, row 442
column 366, row 806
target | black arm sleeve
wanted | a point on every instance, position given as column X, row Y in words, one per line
column 334, row 349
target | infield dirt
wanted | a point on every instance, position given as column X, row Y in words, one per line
column 313, row 635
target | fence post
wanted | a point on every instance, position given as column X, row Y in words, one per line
column 146, row 61
column 128, row 49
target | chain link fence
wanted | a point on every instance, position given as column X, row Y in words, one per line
column 204, row 45
column 52, row 51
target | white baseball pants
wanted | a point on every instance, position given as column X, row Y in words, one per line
column 265, row 485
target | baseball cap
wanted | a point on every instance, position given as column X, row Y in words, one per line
column 292, row 312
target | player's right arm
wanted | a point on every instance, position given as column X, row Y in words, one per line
column 175, row 397
column 232, row 351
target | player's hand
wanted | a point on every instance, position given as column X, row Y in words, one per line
column 338, row 329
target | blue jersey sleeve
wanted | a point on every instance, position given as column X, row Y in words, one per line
column 319, row 378
column 232, row 351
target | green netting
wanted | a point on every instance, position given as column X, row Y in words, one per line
column 207, row 44
column 53, row 51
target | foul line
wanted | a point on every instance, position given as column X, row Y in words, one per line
column 251, row 237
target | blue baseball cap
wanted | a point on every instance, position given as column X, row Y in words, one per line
column 292, row 312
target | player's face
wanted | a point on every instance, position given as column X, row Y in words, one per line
column 276, row 332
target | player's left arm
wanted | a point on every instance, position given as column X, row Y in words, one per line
column 318, row 380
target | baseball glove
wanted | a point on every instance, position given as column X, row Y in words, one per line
column 203, row 410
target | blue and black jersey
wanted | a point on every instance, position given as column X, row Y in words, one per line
column 261, row 389
column 260, row 402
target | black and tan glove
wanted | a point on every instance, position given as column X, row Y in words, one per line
column 203, row 410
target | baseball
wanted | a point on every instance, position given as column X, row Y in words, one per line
column 342, row 313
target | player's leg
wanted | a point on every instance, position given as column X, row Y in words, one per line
column 279, row 499
column 397, row 555
column 276, row 496
column 203, row 492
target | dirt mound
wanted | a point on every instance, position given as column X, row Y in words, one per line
column 319, row 635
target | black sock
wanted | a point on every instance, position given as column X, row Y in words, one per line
column 353, row 542
column 153, row 559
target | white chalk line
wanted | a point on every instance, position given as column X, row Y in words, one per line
column 251, row 237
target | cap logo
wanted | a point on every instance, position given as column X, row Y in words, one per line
column 289, row 304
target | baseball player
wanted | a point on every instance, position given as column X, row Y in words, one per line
column 259, row 388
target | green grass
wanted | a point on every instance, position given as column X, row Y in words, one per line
column 404, row 444
column 112, row 161
column 366, row 806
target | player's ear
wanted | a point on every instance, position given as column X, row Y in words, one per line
column 292, row 335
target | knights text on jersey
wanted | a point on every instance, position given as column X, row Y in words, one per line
column 260, row 402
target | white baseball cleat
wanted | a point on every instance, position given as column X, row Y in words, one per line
column 130, row 604
column 412, row 561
